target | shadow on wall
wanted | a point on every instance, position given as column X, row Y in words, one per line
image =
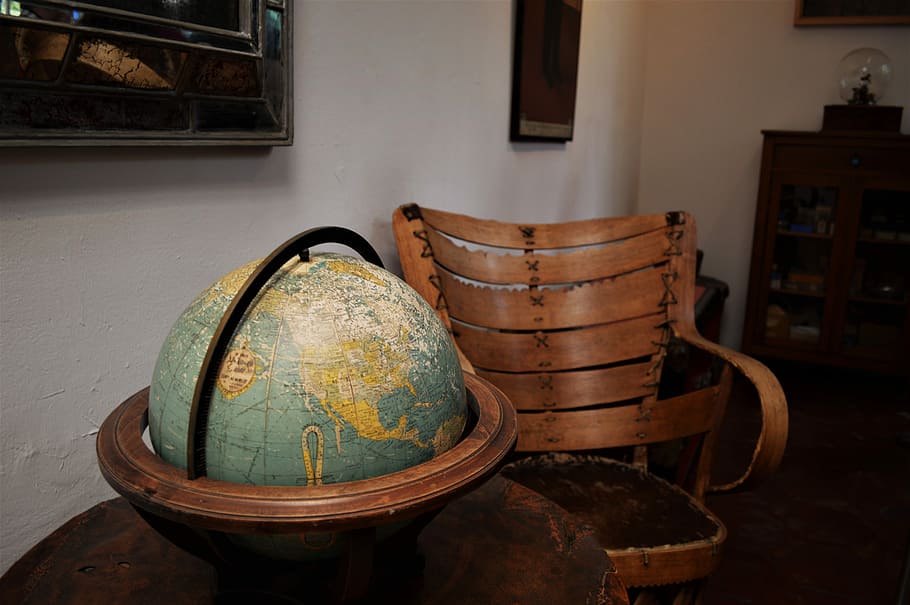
column 56, row 176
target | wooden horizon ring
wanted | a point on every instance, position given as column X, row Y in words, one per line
column 162, row 489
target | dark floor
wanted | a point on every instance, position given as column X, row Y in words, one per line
column 832, row 526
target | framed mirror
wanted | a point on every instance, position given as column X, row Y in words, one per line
column 145, row 72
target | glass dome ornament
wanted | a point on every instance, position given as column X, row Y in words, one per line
column 864, row 75
column 863, row 78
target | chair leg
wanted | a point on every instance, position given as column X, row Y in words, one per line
column 685, row 596
column 690, row 593
column 699, row 587
column 903, row 591
column 646, row 597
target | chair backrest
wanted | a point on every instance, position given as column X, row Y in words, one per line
column 572, row 321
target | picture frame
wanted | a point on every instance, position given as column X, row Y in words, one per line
column 145, row 72
column 851, row 12
column 545, row 70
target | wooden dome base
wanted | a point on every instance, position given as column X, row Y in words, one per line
column 197, row 514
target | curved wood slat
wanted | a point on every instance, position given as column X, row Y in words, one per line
column 772, row 440
column 769, row 448
column 567, row 390
column 541, row 236
column 559, row 350
column 677, row 563
column 542, row 269
column 650, row 422
column 603, row 301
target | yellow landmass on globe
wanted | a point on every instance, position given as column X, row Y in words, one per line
column 230, row 284
column 347, row 385
column 345, row 267
column 272, row 300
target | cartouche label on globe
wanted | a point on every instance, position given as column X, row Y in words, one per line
column 237, row 373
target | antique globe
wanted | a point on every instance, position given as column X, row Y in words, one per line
column 307, row 415
column 337, row 372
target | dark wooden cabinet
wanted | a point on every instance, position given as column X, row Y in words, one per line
column 830, row 273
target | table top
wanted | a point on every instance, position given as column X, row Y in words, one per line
column 501, row 543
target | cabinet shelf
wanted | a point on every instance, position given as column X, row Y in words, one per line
column 887, row 242
column 807, row 181
column 794, row 344
column 792, row 292
column 870, row 300
column 803, row 234
column 867, row 352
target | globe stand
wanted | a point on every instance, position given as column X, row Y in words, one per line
column 240, row 578
column 199, row 514
column 341, row 580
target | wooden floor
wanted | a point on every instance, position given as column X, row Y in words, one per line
column 833, row 526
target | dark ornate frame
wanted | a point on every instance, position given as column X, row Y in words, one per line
column 95, row 73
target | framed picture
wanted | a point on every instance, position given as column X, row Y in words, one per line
column 545, row 69
column 852, row 12
column 145, row 72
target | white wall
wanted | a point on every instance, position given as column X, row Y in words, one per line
column 395, row 101
column 717, row 73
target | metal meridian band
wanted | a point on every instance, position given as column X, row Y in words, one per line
column 299, row 245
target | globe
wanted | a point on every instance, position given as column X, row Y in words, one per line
column 338, row 372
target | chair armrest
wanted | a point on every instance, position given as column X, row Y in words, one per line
column 769, row 448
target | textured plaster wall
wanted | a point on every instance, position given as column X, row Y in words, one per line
column 396, row 101
column 718, row 72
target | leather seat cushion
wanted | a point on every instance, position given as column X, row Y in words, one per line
column 626, row 506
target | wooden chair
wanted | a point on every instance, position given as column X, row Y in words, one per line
column 573, row 322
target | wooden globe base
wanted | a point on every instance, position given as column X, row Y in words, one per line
column 198, row 514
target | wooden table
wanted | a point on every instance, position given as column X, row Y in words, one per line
column 501, row 543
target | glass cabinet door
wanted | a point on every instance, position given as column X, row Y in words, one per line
column 800, row 271
column 876, row 321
